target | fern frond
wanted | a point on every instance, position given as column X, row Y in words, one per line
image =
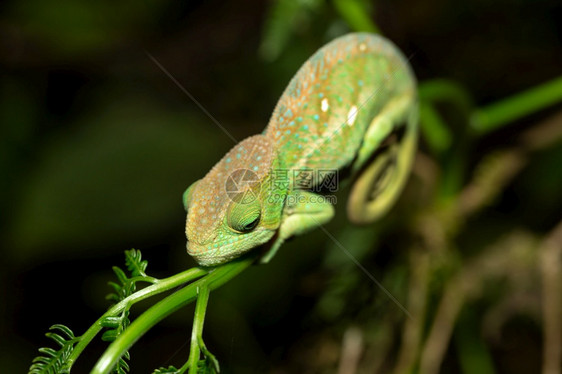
column 54, row 361
column 135, row 264
column 207, row 366
column 127, row 285
column 169, row 370
column 122, row 289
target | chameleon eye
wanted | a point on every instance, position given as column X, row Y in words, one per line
column 243, row 218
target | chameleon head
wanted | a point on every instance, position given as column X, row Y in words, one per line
column 236, row 206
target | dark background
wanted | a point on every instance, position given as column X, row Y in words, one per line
column 97, row 145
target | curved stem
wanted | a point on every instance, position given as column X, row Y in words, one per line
column 445, row 90
column 435, row 131
column 502, row 112
column 161, row 310
column 432, row 92
column 154, row 289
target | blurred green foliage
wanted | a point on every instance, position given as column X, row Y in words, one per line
column 97, row 146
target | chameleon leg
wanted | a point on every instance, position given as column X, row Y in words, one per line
column 379, row 184
column 304, row 211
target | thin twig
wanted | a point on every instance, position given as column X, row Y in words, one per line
column 551, row 267
column 352, row 348
column 417, row 304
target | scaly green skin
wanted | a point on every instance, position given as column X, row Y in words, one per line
column 353, row 105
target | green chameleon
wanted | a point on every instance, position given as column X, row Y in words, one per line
column 351, row 109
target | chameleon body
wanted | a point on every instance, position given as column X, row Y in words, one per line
column 351, row 107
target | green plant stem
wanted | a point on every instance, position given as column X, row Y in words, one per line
column 197, row 331
column 505, row 111
column 355, row 15
column 473, row 354
column 161, row 310
column 435, row 131
column 436, row 91
column 154, row 289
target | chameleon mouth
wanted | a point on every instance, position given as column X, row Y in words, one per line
column 218, row 252
column 206, row 257
column 197, row 250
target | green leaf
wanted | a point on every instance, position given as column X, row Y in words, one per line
column 126, row 287
column 111, row 322
column 120, row 274
column 135, row 264
column 356, row 15
column 169, row 370
column 55, row 361
column 207, row 366
column 285, row 17
column 109, row 335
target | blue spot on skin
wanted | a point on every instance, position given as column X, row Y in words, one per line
column 299, row 119
column 258, row 158
column 296, row 135
column 228, row 159
column 256, row 168
column 281, row 119
column 292, row 123
column 238, row 155
column 299, row 146
column 316, row 116
column 360, row 82
column 325, row 124
column 320, row 95
column 289, row 113
column 288, row 132
column 278, row 133
column 305, row 127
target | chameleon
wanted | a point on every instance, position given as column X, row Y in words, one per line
column 352, row 110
